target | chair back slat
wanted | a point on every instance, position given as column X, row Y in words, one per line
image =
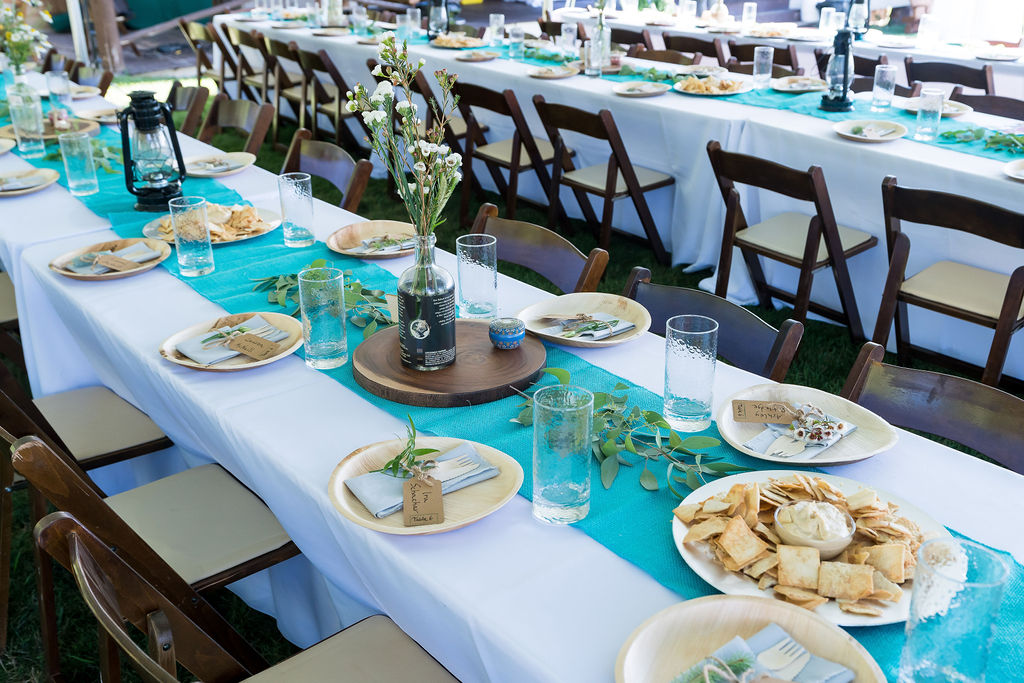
column 862, row 66
column 684, row 43
column 958, row 74
column 191, row 100
column 666, row 56
column 778, row 70
column 477, row 96
column 327, row 160
column 244, row 115
column 864, row 84
column 782, row 56
column 733, row 167
column 1010, row 107
column 563, row 117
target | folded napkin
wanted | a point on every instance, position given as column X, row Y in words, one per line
column 563, row 328
column 736, row 654
column 817, row 669
column 373, row 246
column 765, row 439
column 85, row 264
column 22, row 182
column 382, row 494
column 209, row 353
column 213, row 165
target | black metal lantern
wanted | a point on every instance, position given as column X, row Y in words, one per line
column 153, row 167
column 839, row 73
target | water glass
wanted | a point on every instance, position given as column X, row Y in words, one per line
column 592, row 58
column 191, row 235
column 496, row 29
column 568, row 40
column 415, row 15
column 928, row 31
column 563, row 419
column 958, row 588
column 276, row 9
column 630, row 6
column 27, row 117
column 478, row 275
column 929, row 113
column 749, row 16
column 516, row 43
column 858, row 16
column 884, row 87
column 59, row 85
column 322, row 306
column 296, row 192
column 764, row 58
column 825, row 20
column 260, row 8
column 76, row 148
column 838, row 21
column 402, row 28
column 688, row 11
column 438, row 19
column 691, row 348
column 359, row 20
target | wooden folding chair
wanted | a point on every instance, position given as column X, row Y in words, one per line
column 970, row 293
column 328, row 161
column 10, row 335
column 743, row 56
column 253, row 81
column 808, row 243
column 199, row 38
column 543, row 251
column 1010, row 107
column 864, row 84
column 421, row 86
column 744, row 339
column 243, row 115
column 976, row 415
column 86, row 75
column 192, row 101
column 328, row 97
column 288, row 85
column 684, row 43
column 980, row 78
column 616, row 179
column 666, row 56
column 778, row 71
column 623, row 36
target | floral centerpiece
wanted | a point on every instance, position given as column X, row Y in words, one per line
column 425, row 171
column 19, row 40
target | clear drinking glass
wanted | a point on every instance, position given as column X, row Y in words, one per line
column 358, row 20
column 191, row 235
column 322, row 306
column 688, row 11
column 496, row 29
column 516, row 42
column 838, row 21
column 592, row 58
column 928, row 31
column 438, row 19
column 478, row 275
column 958, row 588
column 415, row 20
column 749, row 16
column 402, row 27
column 691, row 347
column 858, row 16
column 568, row 40
column 884, row 87
column 27, row 117
column 825, row 20
column 296, row 192
column 764, row 57
column 929, row 113
column 59, row 85
column 76, row 148
column 563, row 418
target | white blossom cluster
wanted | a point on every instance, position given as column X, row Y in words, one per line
column 19, row 39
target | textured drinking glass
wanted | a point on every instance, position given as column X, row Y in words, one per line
column 27, row 117
column 838, row 21
column 191, row 235
column 958, row 587
column 884, row 87
column 691, row 347
column 563, row 418
column 496, row 29
column 764, row 57
column 415, row 20
column 59, row 85
column 296, row 192
column 516, row 43
column 825, row 19
column 438, row 19
column 749, row 16
column 322, row 306
column 929, row 113
column 358, row 20
column 688, row 11
column 568, row 40
column 478, row 275
column 76, row 148
column 402, row 27
column 592, row 58
column 928, row 32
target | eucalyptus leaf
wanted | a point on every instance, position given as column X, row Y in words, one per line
column 561, row 375
column 694, row 443
column 609, row 447
column 725, row 467
column 648, row 480
column 691, row 480
column 628, row 441
column 370, row 329
column 609, row 469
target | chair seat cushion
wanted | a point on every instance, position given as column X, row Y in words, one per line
column 593, row 178
column 458, row 128
column 968, row 288
column 8, row 308
column 786, row 234
column 331, row 108
column 257, row 79
column 201, row 521
column 501, row 152
column 94, row 420
column 294, row 93
column 374, row 650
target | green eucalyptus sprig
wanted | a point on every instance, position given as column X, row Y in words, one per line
column 994, row 140
column 103, row 154
column 625, row 435
column 408, row 462
column 651, row 74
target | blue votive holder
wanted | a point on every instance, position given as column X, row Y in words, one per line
column 507, row 333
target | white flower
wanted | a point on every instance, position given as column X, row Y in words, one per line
column 406, row 108
column 374, row 118
column 443, row 149
column 432, row 148
column 385, row 89
column 351, row 106
column 377, row 71
column 424, row 147
column 422, row 62
column 419, row 166
column 457, row 176
column 453, row 160
column 412, row 187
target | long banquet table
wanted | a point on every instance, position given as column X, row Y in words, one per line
column 505, row 599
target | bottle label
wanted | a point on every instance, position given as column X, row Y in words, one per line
column 426, row 331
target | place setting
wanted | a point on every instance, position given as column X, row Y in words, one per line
column 641, row 89
column 218, row 165
column 17, row 183
column 112, row 260
column 235, row 342
column 374, row 239
column 586, row 319
column 552, row 72
column 107, row 117
column 226, row 224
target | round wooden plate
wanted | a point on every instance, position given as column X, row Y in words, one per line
column 461, row 507
column 240, row 160
column 84, row 92
column 569, row 305
column 552, row 72
column 872, row 436
column 290, row 344
column 58, row 264
column 352, row 235
column 844, row 129
column 659, row 649
column 950, row 108
column 6, row 145
column 50, row 133
column 641, row 89
column 480, row 373
column 476, row 56
column 105, row 116
column 51, row 176
column 270, row 218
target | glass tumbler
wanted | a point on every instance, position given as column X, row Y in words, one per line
column 402, row 28
column 76, row 149
column 928, row 31
column 322, row 306
column 563, row 419
column 825, row 18
column 929, row 113
column 26, row 111
column 415, row 21
column 568, row 40
column 884, row 87
column 764, row 57
column 516, row 43
column 749, row 16
column 496, row 29
column 59, row 85
column 691, row 348
column 438, row 19
column 359, row 20
column 958, row 588
column 688, row 11
column 592, row 58
column 478, row 275
column 296, row 192
column 191, row 235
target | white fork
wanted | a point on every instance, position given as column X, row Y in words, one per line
column 781, row 655
column 453, row 467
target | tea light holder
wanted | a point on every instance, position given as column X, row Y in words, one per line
column 507, row 333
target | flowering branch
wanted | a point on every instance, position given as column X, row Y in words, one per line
column 19, row 39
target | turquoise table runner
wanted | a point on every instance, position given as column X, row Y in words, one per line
column 628, row 520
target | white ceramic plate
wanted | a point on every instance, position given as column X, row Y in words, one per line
column 1015, row 169
column 641, row 89
column 1005, row 55
column 699, row 557
column 238, row 162
column 552, row 72
column 872, row 436
column 272, row 219
column 288, row 345
column 806, row 36
column 950, row 108
column 799, row 84
column 745, row 86
column 568, row 305
column 845, row 129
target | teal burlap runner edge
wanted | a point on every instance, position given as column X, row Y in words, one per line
column 628, row 520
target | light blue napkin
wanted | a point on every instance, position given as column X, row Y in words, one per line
column 209, row 354
column 736, row 653
column 765, row 439
column 817, row 669
column 382, row 494
column 604, row 332
column 22, row 182
column 369, row 246
column 138, row 252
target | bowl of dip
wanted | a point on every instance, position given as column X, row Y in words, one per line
column 815, row 524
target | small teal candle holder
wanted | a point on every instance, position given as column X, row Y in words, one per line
column 507, row 333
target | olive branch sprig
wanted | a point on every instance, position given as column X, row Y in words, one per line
column 408, row 462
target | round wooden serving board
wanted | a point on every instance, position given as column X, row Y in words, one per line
column 480, row 373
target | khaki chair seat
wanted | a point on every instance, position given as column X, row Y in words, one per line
column 593, row 178
column 458, row 127
column 331, row 108
column 257, row 79
column 501, row 152
column 961, row 286
column 786, row 235
column 94, row 420
column 293, row 94
column 201, row 521
column 374, row 650
column 8, row 308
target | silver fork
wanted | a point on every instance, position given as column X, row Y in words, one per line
column 453, row 467
column 783, row 655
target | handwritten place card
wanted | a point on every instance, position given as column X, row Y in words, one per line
column 255, row 347
column 422, row 502
column 115, row 262
column 772, row 412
